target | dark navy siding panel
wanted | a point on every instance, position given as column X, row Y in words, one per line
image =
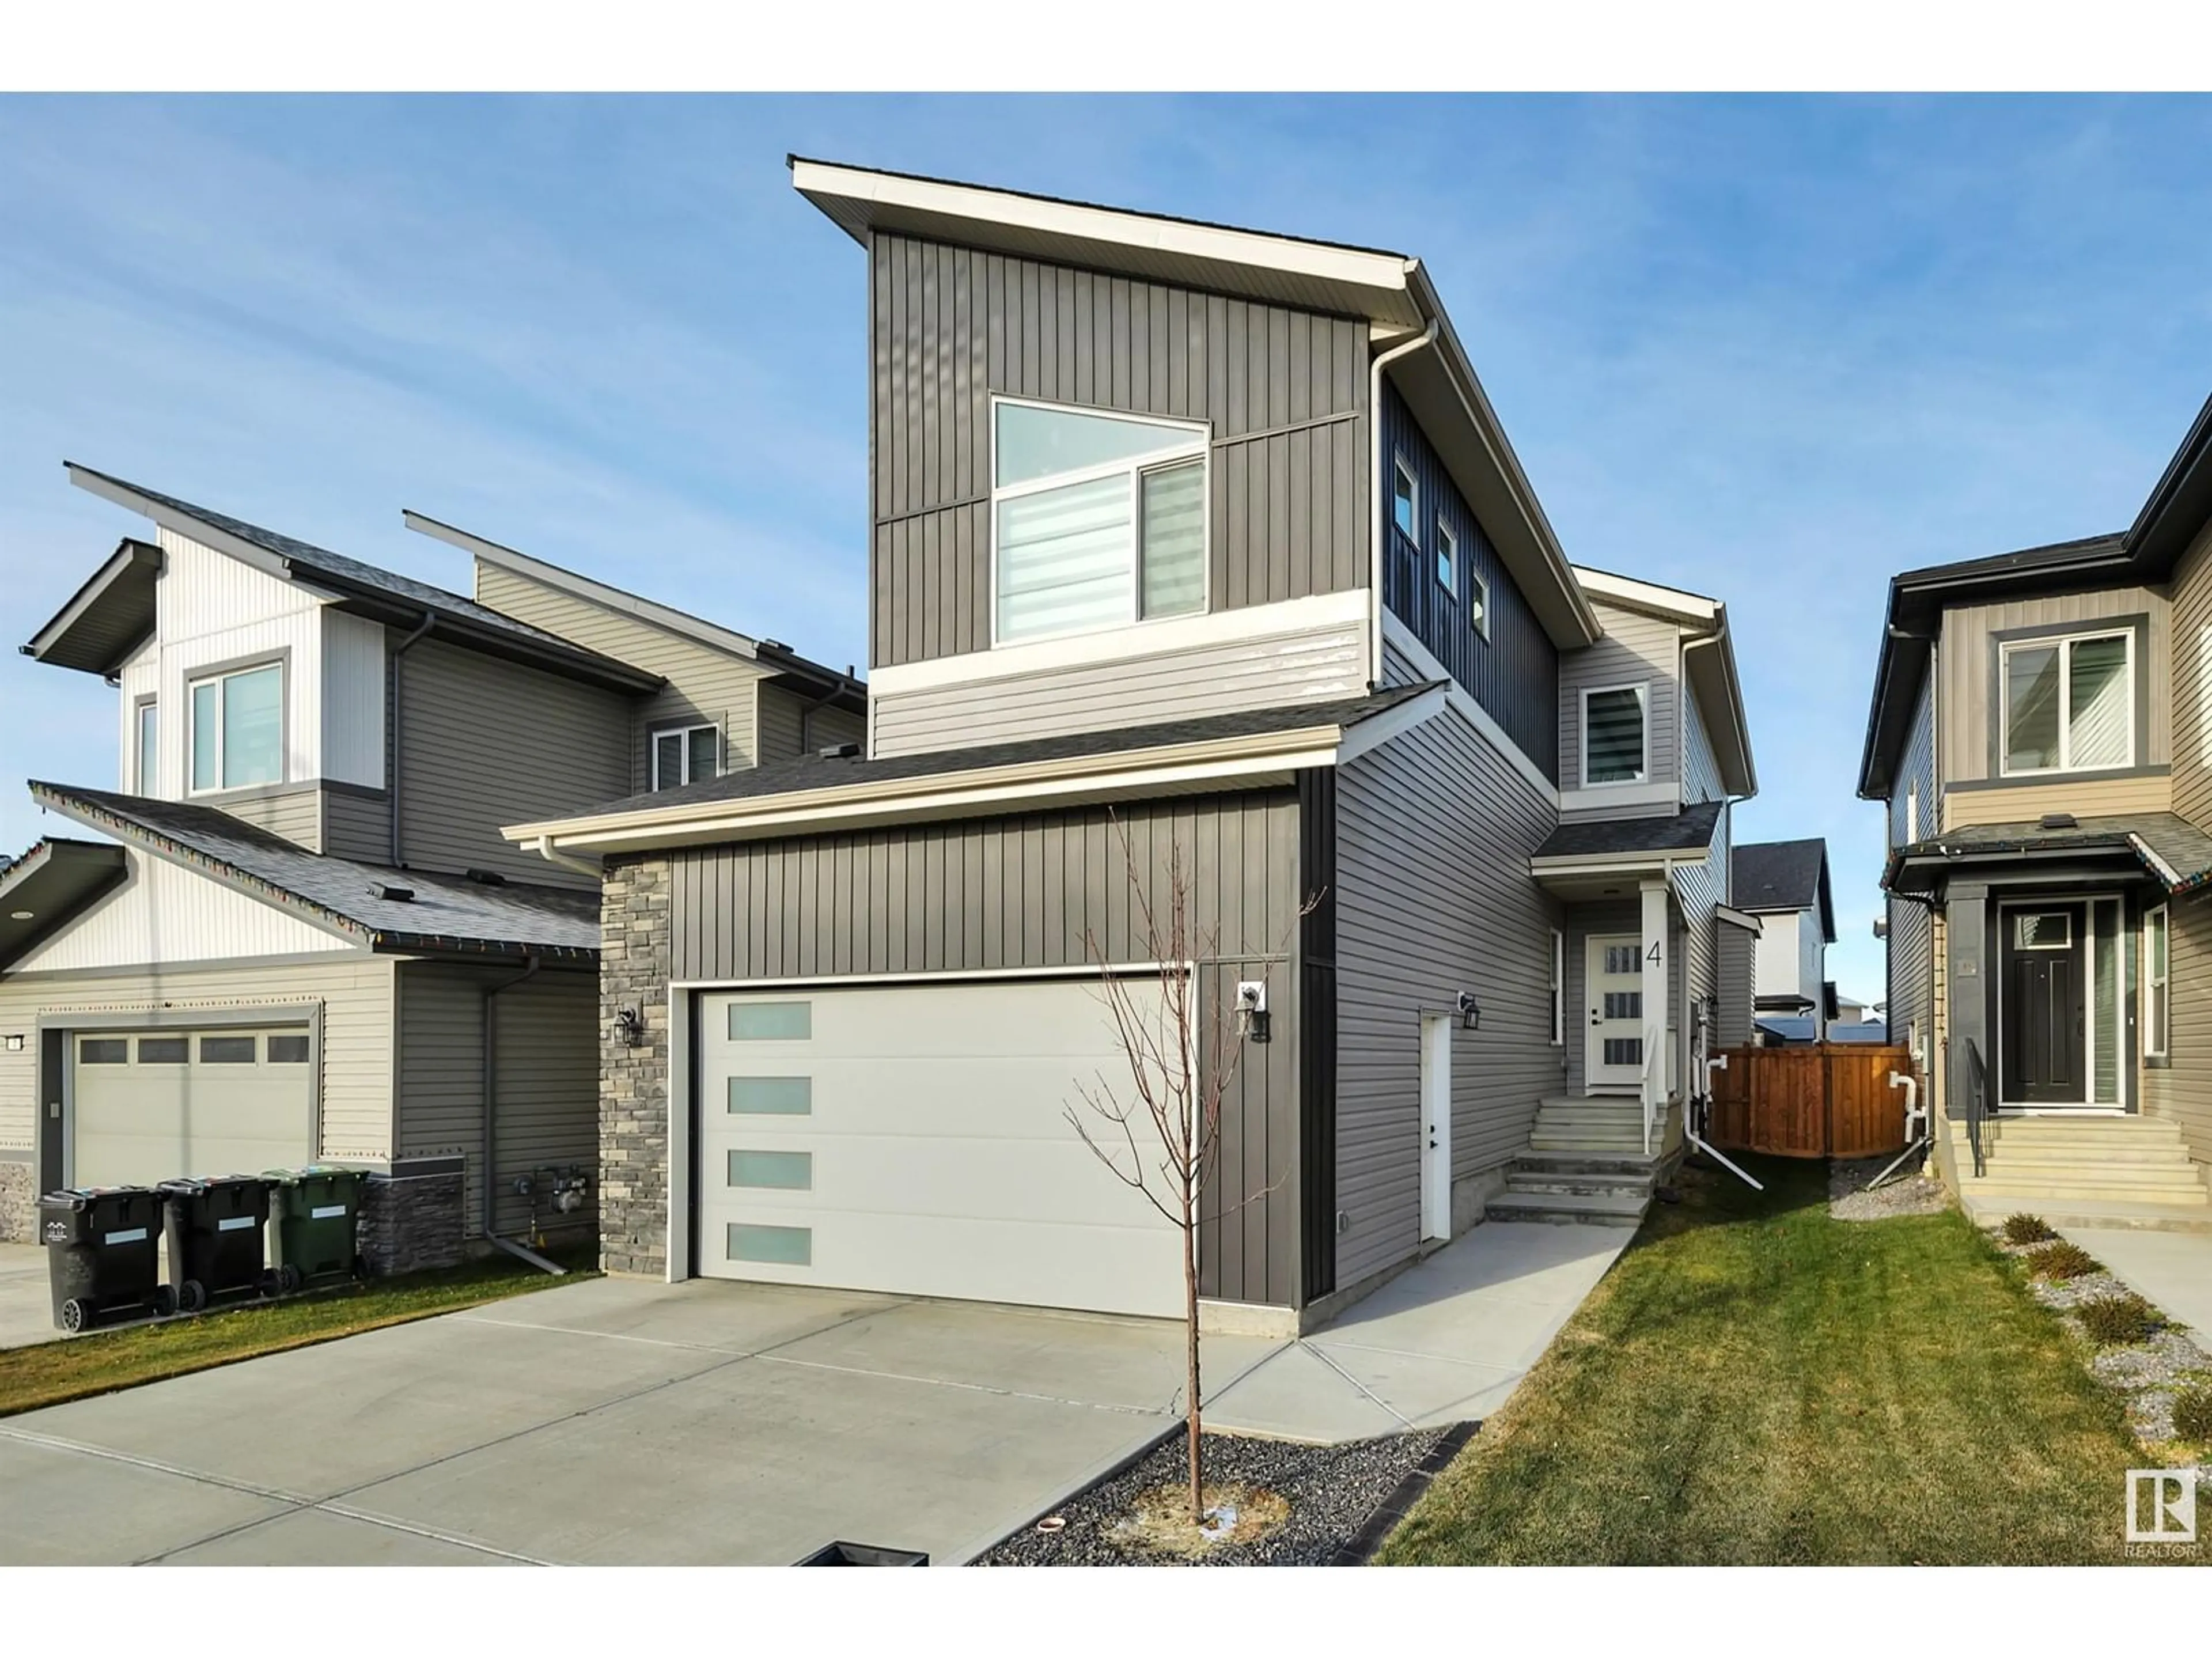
column 1515, row 673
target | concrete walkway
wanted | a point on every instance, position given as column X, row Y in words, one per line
column 2171, row 1270
column 1443, row 1342
column 27, row 1308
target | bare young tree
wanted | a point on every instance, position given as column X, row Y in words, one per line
column 1160, row 1130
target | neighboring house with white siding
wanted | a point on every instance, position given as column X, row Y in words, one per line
column 1786, row 885
column 2040, row 736
column 305, row 938
column 1206, row 544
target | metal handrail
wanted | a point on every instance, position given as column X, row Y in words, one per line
column 1977, row 1083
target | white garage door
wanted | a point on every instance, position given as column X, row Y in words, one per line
column 148, row 1106
column 913, row 1138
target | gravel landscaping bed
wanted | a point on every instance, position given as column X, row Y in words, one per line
column 1333, row 1491
column 1907, row 1194
column 2148, row 1373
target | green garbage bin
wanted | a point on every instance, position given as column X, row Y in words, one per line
column 312, row 1213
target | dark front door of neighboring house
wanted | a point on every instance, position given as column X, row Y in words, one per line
column 2045, row 1010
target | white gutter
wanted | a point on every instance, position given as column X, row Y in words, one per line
column 1380, row 525
column 545, row 848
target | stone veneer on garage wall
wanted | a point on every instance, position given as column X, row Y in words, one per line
column 633, row 945
column 19, row 1203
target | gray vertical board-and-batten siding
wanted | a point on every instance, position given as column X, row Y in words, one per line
column 1909, row 999
column 1514, row 673
column 1284, row 392
column 1024, row 892
column 1636, row 649
column 1433, row 897
column 489, row 742
column 706, row 686
column 545, row 1032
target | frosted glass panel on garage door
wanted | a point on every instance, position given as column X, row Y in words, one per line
column 940, row 1159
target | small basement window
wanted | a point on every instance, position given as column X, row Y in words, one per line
column 686, row 754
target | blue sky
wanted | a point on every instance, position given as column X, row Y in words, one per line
column 1773, row 349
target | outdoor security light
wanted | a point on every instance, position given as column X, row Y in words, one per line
column 1253, row 1020
column 629, row 1026
column 1470, row 1011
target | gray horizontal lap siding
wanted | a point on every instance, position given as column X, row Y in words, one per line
column 1433, row 896
column 1699, row 889
column 546, row 1032
column 297, row 814
column 1514, row 674
column 950, row 326
column 1636, row 649
column 1910, row 988
column 1024, row 892
column 356, row 826
column 788, row 731
column 488, row 743
column 1732, row 1026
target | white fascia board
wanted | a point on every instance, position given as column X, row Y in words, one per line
column 2165, row 872
column 1401, row 639
column 1134, row 771
column 1612, row 864
column 1257, row 772
column 1316, row 613
column 586, row 587
column 1674, row 603
column 183, row 523
column 1377, row 730
column 1604, row 797
column 1215, row 244
column 1742, row 918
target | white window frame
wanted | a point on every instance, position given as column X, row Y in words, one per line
column 652, row 748
column 1558, row 989
column 1447, row 558
column 1911, row 812
column 1478, row 602
column 1401, row 468
column 2065, row 644
column 2157, row 1042
column 1198, row 446
column 1643, row 689
column 140, row 707
column 222, row 678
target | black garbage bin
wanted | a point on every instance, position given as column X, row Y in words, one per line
column 215, row 1230
column 103, row 1254
column 842, row 1554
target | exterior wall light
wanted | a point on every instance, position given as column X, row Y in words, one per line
column 15, row 1043
column 1470, row 1011
column 1253, row 1020
column 629, row 1026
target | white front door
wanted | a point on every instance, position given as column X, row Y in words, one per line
column 1613, row 1054
column 1436, row 1126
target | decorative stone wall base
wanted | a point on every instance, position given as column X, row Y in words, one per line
column 410, row 1222
column 19, row 1203
column 634, row 952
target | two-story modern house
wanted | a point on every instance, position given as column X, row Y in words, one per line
column 1188, row 546
column 305, row 937
column 2041, row 735
column 1786, row 885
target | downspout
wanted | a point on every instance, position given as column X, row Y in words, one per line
column 1380, row 522
column 545, row 848
column 398, row 704
column 491, row 1124
column 806, row 714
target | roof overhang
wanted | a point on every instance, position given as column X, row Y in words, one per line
column 1925, row 869
column 365, row 599
column 55, row 880
column 1742, row 918
column 1254, row 761
column 108, row 618
column 1709, row 661
column 1391, row 291
column 1582, row 877
column 2179, row 507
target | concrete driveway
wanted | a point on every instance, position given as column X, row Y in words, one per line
column 27, row 1308
column 615, row 1421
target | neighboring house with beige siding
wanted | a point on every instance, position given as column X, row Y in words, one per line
column 305, row 938
column 1197, row 548
column 2037, row 736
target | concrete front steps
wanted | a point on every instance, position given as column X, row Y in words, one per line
column 2131, row 1171
column 1600, row 1189
column 1593, row 1123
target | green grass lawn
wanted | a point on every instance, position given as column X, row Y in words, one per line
column 103, row 1361
column 1757, row 1382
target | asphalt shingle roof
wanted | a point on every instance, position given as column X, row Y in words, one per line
column 1682, row 832
column 814, row 772
column 1777, row 875
column 446, row 912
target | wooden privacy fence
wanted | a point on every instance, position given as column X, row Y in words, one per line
column 1811, row 1100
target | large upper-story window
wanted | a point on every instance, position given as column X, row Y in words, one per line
column 238, row 728
column 1099, row 520
column 2068, row 703
column 685, row 754
column 1615, row 746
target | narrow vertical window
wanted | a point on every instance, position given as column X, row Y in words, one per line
column 2157, row 1010
column 1447, row 559
column 1558, row 988
column 1478, row 603
column 1404, row 500
column 148, row 778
